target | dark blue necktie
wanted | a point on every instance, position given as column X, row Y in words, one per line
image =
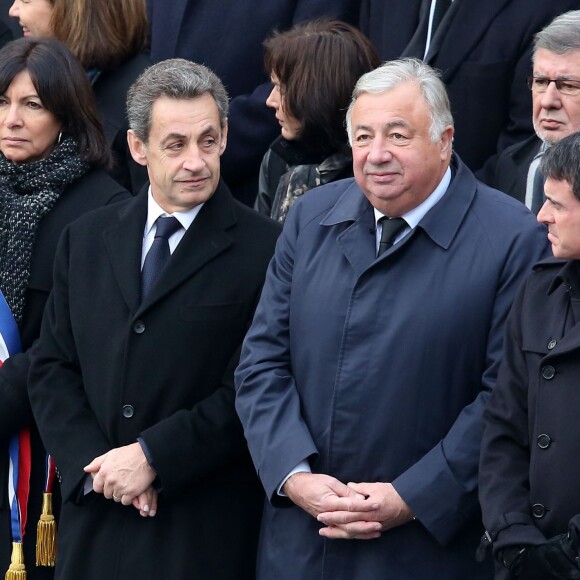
column 158, row 255
column 392, row 227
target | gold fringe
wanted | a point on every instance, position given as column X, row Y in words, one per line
column 46, row 534
column 16, row 571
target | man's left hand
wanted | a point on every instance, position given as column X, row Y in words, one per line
column 121, row 474
column 392, row 511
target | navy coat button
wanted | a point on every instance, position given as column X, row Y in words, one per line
column 551, row 344
column 548, row 372
column 538, row 510
column 544, row 441
column 139, row 327
column 128, row 411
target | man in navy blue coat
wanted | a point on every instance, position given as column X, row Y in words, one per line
column 227, row 37
column 364, row 375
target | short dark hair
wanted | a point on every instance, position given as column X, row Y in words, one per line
column 562, row 162
column 317, row 64
column 64, row 89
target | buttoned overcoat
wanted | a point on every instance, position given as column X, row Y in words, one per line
column 109, row 369
column 529, row 463
column 378, row 369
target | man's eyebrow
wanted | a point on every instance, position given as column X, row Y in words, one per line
column 398, row 123
column 171, row 137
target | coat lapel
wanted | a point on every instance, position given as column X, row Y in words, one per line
column 357, row 240
column 464, row 25
column 123, row 243
column 416, row 46
column 516, row 174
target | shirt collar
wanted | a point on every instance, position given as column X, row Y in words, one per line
column 154, row 210
column 414, row 216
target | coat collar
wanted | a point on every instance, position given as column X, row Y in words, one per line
column 568, row 274
column 204, row 240
column 440, row 223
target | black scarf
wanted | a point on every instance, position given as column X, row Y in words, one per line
column 27, row 192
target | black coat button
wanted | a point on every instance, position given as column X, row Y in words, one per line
column 139, row 327
column 544, row 441
column 551, row 344
column 538, row 510
column 548, row 372
column 128, row 411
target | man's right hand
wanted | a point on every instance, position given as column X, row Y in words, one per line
column 317, row 493
column 545, row 562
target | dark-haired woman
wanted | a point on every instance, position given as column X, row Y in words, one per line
column 314, row 67
column 53, row 162
column 108, row 38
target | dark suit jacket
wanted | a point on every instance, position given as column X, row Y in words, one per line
column 227, row 36
column 110, row 87
column 509, row 171
column 484, row 52
column 108, row 370
column 95, row 189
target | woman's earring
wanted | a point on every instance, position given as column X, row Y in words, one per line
column 58, row 141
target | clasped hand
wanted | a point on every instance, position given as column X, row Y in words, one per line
column 355, row 511
column 124, row 475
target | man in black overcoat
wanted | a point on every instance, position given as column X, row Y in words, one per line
column 529, row 472
column 131, row 381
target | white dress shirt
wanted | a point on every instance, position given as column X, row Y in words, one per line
column 154, row 210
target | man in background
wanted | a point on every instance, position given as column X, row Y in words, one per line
column 555, row 86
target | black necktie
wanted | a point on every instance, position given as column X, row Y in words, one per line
column 441, row 7
column 158, row 254
column 391, row 228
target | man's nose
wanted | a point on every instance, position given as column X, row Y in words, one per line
column 193, row 160
column 551, row 99
column 379, row 151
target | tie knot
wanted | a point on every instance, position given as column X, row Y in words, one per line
column 391, row 228
column 166, row 227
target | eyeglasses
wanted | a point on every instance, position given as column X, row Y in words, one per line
column 563, row 86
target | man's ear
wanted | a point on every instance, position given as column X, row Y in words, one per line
column 446, row 142
column 137, row 147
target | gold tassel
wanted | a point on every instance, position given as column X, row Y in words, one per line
column 16, row 571
column 46, row 534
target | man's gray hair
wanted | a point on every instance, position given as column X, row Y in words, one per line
column 395, row 72
column 175, row 78
column 562, row 35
